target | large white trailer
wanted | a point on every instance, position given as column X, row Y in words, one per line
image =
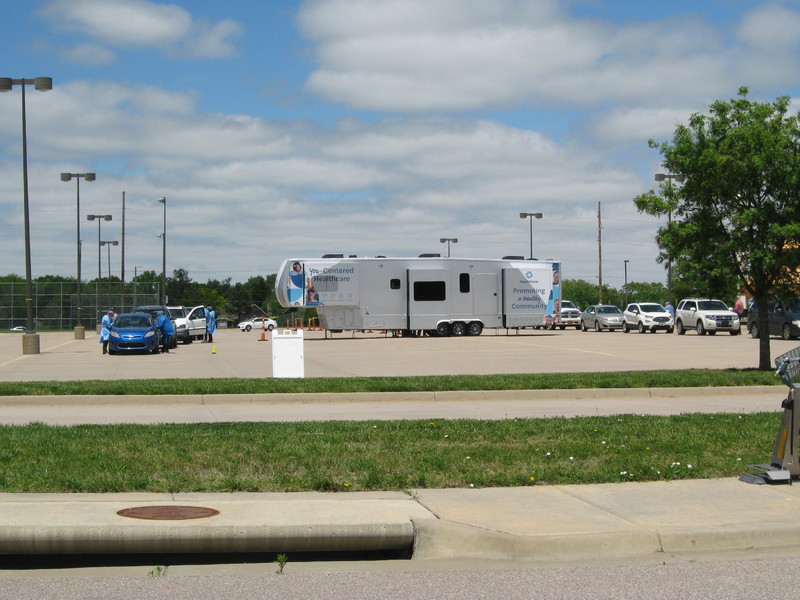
column 446, row 296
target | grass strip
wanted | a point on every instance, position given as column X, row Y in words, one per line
column 344, row 385
column 380, row 455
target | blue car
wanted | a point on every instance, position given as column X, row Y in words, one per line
column 133, row 332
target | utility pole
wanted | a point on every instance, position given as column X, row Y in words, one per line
column 600, row 253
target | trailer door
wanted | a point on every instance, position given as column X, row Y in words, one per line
column 486, row 299
column 427, row 298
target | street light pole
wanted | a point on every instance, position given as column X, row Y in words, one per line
column 30, row 341
column 164, row 254
column 626, row 281
column 525, row 215
column 80, row 330
column 98, row 218
column 448, row 240
column 669, row 177
column 109, row 243
column 135, row 283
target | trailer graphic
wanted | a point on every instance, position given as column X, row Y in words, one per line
column 443, row 296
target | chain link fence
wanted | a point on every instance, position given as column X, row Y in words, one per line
column 55, row 304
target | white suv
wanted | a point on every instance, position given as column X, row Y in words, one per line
column 647, row 316
column 706, row 316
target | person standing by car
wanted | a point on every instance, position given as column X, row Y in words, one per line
column 211, row 324
column 164, row 325
column 106, row 324
column 670, row 309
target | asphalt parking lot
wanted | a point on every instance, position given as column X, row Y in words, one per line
column 238, row 354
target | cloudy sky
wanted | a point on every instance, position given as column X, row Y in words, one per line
column 286, row 128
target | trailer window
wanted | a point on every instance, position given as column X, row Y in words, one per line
column 463, row 283
column 429, row 291
column 394, row 284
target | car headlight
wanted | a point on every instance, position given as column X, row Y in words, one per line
column 149, row 334
column 182, row 326
column 114, row 334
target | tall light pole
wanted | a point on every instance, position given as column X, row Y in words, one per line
column 135, row 283
column 80, row 330
column 669, row 177
column 30, row 341
column 164, row 254
column 448, row 240
column 525, row 215
column 626, row 281
column 109, row 243
column 99, row 219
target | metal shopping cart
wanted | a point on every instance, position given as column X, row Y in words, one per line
column 784, row 466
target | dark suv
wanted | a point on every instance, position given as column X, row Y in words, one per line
column 784, row 318
column 152, row 309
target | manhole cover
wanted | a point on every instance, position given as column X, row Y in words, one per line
column 168, row 513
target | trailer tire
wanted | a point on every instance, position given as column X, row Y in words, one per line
column 458, row 329
column 443, row 329
column 475, row 328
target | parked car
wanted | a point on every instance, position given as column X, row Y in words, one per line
column 153, row 310
column 19, row 328
column 647, row 316
column 600, row 317
column 258, row 323
column 190, row 323
column 706, row 315
column 783, row 315
column 133, row 332
column 570, row 316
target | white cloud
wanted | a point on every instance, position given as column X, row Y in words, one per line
column 244, row 193
column 143, row 24
column 416, row 55
column 89, row 54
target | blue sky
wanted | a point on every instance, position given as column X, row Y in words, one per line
column 293, row 129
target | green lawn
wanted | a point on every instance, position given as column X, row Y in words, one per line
column 344, row 385
column 380, row 455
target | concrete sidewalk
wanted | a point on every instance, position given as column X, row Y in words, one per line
column 552, row 523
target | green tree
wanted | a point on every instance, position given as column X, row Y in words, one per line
column 736, row 219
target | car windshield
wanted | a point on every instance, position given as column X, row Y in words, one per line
column 567, row 304
column 652, row 308
column 712, row 305
column 133, row 321
column 608, row 310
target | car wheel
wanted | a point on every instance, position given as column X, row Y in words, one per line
column 700, row 329
column 670, row 329
column 736, row 332
column 562, row 327
column 712, row 332
column 475, row 328
column 754, row 331
column 680, row 327
column 248, row 327
column 597, row 326
column 625, row 328
column 583, row 326
column 641, row 327
column 443, row 329
column 458, row 329
column 270, row 327
column 786, row 332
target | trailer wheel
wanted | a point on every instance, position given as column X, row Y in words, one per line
column 458, row 329
column 443, row 329
column 475, row 328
